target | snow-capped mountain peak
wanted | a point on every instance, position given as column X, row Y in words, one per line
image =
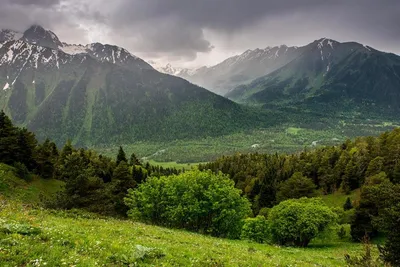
column 38, row 35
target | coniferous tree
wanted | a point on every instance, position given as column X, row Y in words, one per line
column 8, row 140
column 46, row 158
column 390, row 252
column 133, row 160
column 348, row 205
column 121, row 155
column 122, row 180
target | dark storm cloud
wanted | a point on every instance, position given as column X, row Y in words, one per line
column 180, row 29
column 177, row 26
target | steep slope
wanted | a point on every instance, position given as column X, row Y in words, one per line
column 102, row 94
column 237, row 70
column 340, row 75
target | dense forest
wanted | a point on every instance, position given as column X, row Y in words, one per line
column 92, row 181
column 275, row 199
column 367, row 163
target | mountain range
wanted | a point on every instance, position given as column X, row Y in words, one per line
column 238, row 69
column 329, row 74
column 99, row 94
column 102, row 94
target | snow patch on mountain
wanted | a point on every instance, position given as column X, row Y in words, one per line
column 6, row 86
column 73, row 49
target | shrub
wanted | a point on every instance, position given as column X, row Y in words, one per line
column 297, row 221
column 198, row 201
column 255, row 229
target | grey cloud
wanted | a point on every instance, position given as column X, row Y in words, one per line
column 180, row 29
column 44, row 3
column 177, row 26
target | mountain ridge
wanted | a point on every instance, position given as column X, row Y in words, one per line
column 107, row 95
column 328, row 72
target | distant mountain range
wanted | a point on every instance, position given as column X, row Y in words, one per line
column 329, row 74
column 324, row 69
column 237, row 70
column 102, row 94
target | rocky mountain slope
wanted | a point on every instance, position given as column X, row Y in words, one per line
column 102, row 94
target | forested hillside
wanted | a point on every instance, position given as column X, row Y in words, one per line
column 102, row 94
column 274, row 199
column 369, row 163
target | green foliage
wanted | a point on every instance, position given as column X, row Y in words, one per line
column 122, row 180
column 264, row 212
column 391, row 219
column 297, row 221
column 256, row 229
column 121, row 156
column 377, row 194
column 348, row 205
column 296, row 186
column 365, row 259
column 194, row 200
column 22, row 171
column 341, row 232
column 333, row 169
column 21, row 229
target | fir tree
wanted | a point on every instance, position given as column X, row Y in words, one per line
column 133, row 160
column 348, row 205
column 121, row 155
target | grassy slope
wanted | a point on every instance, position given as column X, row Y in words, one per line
column 16, row 188
column 82, row 239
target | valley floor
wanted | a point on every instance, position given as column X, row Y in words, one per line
column 288, row 138
column 77, row 239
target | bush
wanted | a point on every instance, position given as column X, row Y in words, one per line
column 198, row 201
column 255, row 229
column 297, row 221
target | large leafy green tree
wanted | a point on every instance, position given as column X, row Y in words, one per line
column 194, row 200
column 297, row 221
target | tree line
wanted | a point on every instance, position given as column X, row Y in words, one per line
column 92, row 181
column 370, row 164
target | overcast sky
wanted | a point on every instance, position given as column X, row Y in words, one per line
column 204, row 32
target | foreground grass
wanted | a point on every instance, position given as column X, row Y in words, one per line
column 74, row 238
